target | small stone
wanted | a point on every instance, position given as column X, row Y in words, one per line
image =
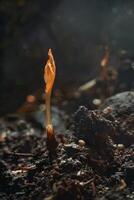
column 81, row 143
column 96, row 102
column 62, row 162
column 81, row 173
column 107, row 110
column 115, row 146
column 120, row 146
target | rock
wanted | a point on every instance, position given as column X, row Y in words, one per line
column 95, row 130
column 122, row 103
column 90, row 124
column 122, row 108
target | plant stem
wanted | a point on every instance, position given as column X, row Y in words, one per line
column 48, row 110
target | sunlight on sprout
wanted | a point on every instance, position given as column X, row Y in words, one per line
column 49, row 77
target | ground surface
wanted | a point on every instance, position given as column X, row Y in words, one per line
column 89, row 163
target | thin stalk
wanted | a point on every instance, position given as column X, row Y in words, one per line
column 49, row 77
column 48, row 109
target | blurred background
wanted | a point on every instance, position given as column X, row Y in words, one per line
column 77, row 31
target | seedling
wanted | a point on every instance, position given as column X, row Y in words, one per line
column 104, row 65
column 49, row 77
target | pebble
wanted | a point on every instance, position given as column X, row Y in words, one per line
column 107, row 110
column 81, row 143
column 96, row 102
column 120, row 147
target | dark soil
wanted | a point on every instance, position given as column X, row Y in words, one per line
column 94, row 160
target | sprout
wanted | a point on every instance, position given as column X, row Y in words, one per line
column 104, row 65
column 49, row 77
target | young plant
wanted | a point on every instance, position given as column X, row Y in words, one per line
column 104, row 65
column 49, row 77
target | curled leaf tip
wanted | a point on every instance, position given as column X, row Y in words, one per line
column 49, row 72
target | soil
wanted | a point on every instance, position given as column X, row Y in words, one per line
column 93, row 158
